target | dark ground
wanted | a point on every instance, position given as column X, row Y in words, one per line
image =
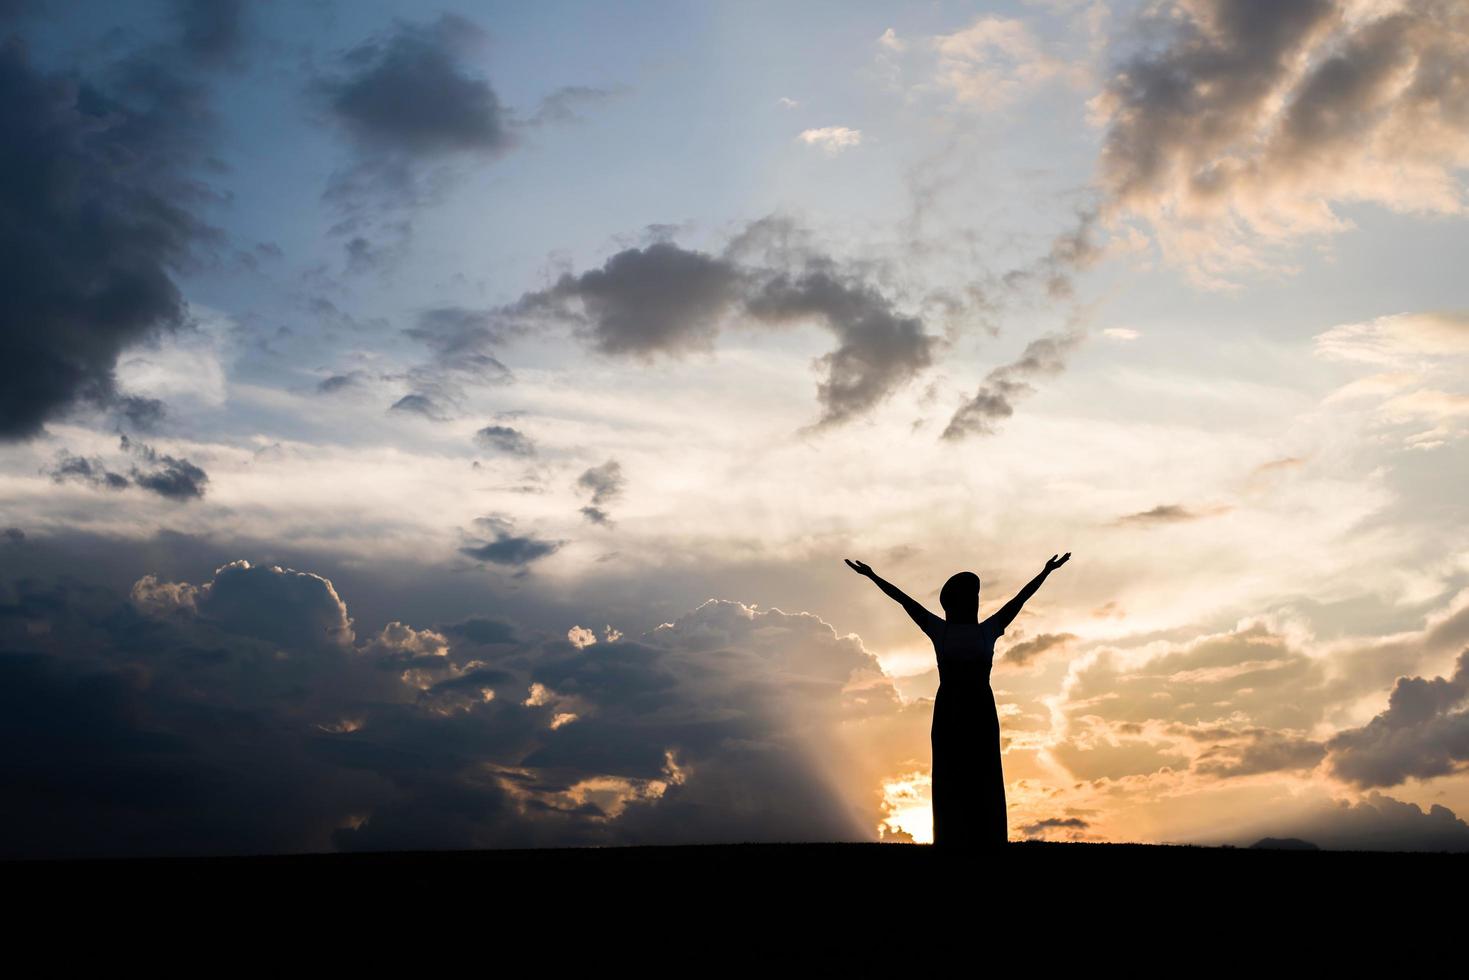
column 856, row 909
column 780, row 871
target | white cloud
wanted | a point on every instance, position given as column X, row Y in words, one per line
column 832, row 139
column 1425, row 384
column 185, row 366
column 996, row 61
column 1399, row 339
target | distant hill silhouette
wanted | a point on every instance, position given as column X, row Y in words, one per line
column 1283, row 844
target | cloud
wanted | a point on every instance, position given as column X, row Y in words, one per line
column 1424, row 733
column 1397, row 341
column 505, row 439
column 406, row 92
column 561, row 105
column 484, row 631
column 280, row 605
column 462, row 342
column 1022, row 653
column 244, row 715
column 167, row 476
column 1170, row 514
column 605, row 483
column 995, row 400
column 70, row 468
column 879, row 350
column 1252, row 123
column 412, row 112
column 832, row 139
column 340, row 382
column 1259, row 751
column 96, row 210
column 1072, row 826
column 414, row 404
column 667, row 301
column 211, row 31
column 1246, row 695
column 662, row 299
column 1419, row 378
column 507, row 547
column 274, row 603
column 417, row 116
column 1380, row 823
column 996, row 61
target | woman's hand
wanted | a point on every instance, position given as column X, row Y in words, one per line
column 860, row 567
column 1055, row 563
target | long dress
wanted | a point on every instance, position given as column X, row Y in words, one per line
column 968, row 784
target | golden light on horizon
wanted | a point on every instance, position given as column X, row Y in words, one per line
column 906, row 803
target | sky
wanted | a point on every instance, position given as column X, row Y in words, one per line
column 444, row 428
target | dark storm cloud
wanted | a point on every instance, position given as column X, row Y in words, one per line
column 94, row 213
column 277, row 604
column 211, row 31
column 145, row 414
column 667, row 301
column 484, row 631
column 412, row 111
column 131, row 733
column 505, row 546
column 78, row 469
column 167, row 476
column 505, row 439
column 244, row 715
column 408, row 92
column 878, row 351
column 995, row 400
column 643, row 302
column 417, row 116
column 1423, row 733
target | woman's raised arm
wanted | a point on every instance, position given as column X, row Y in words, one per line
column 1007, row 613
column 915, row 609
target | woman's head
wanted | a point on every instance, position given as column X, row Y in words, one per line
column 960, row 597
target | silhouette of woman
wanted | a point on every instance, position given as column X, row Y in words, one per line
column 967, row 783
